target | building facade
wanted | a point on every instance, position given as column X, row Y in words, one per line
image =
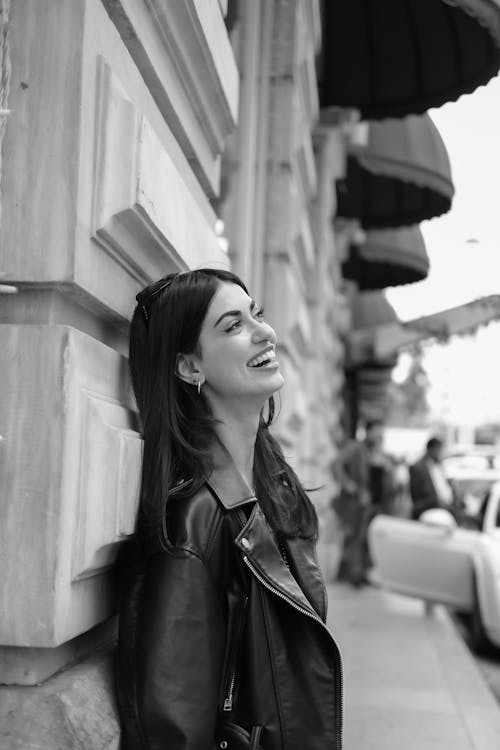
column 142, row 138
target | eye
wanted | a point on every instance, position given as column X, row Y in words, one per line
column 234, row 326
column 259, row 314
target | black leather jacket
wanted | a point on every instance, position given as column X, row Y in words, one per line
column 217, row 623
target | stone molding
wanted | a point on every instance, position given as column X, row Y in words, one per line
column 184, row 55
column 143, row 211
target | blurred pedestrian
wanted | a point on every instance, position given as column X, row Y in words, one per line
column 429, row 486
column 402, row 505
column 366, row 480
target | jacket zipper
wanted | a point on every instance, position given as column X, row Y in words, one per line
column 312, row 616
column 228, row 700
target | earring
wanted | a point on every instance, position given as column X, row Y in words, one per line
column 199, row 387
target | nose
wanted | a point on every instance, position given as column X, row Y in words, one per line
column 263, row 332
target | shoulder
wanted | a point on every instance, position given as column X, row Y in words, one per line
column 196, row 522
column 191, row 520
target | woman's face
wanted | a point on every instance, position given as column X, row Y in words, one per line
column 237, row 348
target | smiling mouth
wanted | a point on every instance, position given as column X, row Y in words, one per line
column 263, row 360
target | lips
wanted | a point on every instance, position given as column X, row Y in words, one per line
column 268, row 356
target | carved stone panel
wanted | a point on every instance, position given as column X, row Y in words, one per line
column 144, row 214
column 107, row 499
column 69, row 478
column 183, row 52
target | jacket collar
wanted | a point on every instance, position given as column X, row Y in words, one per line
column 226, row 482
column 232, row 491
column 257, row 542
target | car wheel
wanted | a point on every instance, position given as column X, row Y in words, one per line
column 478, row 640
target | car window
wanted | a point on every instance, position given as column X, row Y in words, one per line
column 474, row 463
column 477, row 486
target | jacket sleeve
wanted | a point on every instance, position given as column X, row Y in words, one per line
column 170, row 654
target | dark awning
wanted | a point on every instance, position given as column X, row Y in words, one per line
column 390, row 58
column 368, row 374
column 387, row 257
column 370, row 311
column 372, row 395
column 400, row 178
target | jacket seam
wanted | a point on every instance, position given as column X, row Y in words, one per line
column 212, row 534
column 273, row 667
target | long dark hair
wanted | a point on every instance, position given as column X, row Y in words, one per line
column 178, row 424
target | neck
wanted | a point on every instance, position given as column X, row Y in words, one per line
column 237, row 431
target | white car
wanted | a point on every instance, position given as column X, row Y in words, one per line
column 436, row 560
column 472, row 474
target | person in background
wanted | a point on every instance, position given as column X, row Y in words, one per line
column 402, row 505
column 429, row 487
column 366, row 481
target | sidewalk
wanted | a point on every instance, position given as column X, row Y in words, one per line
column 410, row 681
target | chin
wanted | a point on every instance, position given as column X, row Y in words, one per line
column 264, row 389
column 276, row 383
column 281, row 382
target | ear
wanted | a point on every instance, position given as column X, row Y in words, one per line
column 187, row 369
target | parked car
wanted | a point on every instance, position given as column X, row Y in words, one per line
column 436, row 560
column 472, row 471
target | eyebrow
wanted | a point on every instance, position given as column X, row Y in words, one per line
column 232, row 313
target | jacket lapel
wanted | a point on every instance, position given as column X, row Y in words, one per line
column 226, row 482
column 308, row 573
column 256, row 541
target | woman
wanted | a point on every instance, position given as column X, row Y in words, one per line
column 222, row 641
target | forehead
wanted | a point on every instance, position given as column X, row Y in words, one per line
column 227, row 297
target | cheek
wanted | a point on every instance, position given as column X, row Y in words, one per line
column 225, row 360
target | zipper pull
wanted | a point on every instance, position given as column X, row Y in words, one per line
column 228, row 704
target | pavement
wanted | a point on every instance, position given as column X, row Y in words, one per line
column 410, row 681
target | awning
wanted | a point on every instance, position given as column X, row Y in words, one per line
column 371, row 309
column 370, row 312
column 370, row 389
column 372, row 383
column 369, row 376
column 390, row 58
column 400, row 178
column 390, row 337
column 387, row 257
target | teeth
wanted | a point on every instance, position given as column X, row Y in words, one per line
column 269, row 356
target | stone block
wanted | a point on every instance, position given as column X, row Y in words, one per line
column 75, row 709
column 69, row 481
